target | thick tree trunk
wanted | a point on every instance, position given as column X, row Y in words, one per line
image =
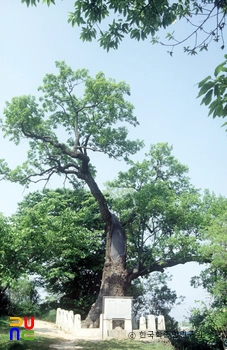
column 115, row 276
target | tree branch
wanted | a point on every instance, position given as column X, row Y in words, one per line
column 104, row 210
column 199, row 27
column 47, row 139
column 161, row 265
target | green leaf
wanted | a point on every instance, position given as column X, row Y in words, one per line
column 224, row 114
column 202, row 82
column 207, row 98
column 220, row 68
column 205, row 87
column 213, row 106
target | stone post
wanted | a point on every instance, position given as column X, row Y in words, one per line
column 151, row 326
column 77, row 323
column 70, row 322
column 58, row 316
column 142, row 325
column 161, row 323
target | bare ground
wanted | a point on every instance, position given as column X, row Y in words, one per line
column 64, row 340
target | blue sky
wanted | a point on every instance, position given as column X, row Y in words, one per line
column 163, row 91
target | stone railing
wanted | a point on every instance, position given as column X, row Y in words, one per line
column 70, row 323
column 149, row 323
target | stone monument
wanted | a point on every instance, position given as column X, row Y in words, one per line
column 117, row 317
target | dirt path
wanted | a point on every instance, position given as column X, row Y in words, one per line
column 49, row 329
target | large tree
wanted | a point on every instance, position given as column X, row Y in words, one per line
column 61, row 133
column 161, row 213
column 110, row 21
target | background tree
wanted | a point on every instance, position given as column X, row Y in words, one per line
column 211, row 320
column 24, row 297
column 65, row 244
column 111, row 21
column 153, row 297
column 162, row 211
column 13, row 261
column 12, row 256
column 210, row 326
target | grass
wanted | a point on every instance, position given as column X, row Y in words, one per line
column 40, row 343
column 43, row 343
column 123, row 345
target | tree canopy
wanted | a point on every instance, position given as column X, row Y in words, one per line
column 162, row 211
column 62, row 128
column 111, row 21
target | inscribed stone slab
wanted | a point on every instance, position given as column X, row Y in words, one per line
column 117, row 307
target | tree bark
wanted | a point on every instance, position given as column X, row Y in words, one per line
column 115, row 276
